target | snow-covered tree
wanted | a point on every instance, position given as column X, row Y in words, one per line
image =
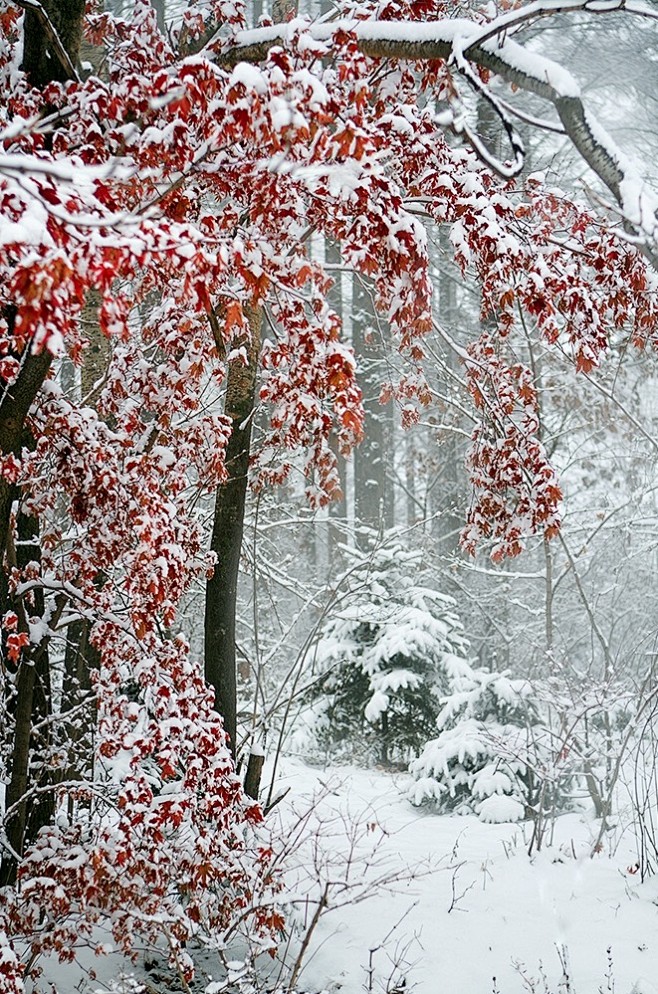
column 492, row 756
column 175, row 195
column 385, row 656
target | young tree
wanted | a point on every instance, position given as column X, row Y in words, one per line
column 492, row 755
column 384, row 659
column 182, row 189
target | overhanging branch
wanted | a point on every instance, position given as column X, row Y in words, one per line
column 490, row 47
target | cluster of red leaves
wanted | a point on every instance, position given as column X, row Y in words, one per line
column 167, row 851
column 11, row 971
column 175, row 189
column 542, row 261
column 516, row 489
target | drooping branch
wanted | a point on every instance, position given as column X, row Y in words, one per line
column 463, row 42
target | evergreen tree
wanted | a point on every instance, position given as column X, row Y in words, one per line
column 493, row 756
column 387, row 656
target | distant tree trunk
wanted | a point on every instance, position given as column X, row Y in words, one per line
column 337, row 508
column 42, row 67
column 373, row 496
column 228, row 524
column 160, row 9
column 96, row 357
column 448, row 485
column 78, row 706
column 16, row 795
column 32, row 691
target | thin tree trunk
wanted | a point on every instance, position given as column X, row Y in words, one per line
column 444, row 498
column 16, row 796
column 159, row 6
column 29, row 761
column 337, row 508
column 253, row 775
column 373, row 498
column 228, row 524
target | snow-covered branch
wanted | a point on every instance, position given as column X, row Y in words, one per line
column 466, row 43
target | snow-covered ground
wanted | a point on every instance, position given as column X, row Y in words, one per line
column 487, row 911
column 478, row 907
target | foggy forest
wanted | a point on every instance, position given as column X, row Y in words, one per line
column 328, row 497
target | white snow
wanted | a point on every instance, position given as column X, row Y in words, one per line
column 498, row 809
column 250, row 76
column 488, row 910
column 483, row 909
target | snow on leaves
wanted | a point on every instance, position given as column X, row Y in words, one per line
column 171, row 196
column 168, row 853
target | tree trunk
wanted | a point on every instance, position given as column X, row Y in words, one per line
column 13, row 411
column 228, row 523
column 30, row 755
column 447, row 486
column 40, row 61
column 16, row 796
column 78, row 707
column 29, row 762
column 337, row 508
column 159, row 7
column 373, row 497
column 253, row 775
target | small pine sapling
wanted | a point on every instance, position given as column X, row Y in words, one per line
column 385, row 658
column 492, row 756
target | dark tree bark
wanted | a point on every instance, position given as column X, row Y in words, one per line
column 41, row 60
column 43, row 64
column 32, row 706
column 16, row 796
column 50, row 52
column 13, row 412
column 78, row 703
column 41, row 805
column 253, row 775
column 228, row 523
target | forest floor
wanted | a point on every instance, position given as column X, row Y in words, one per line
column 560, row 920
column 441, row 904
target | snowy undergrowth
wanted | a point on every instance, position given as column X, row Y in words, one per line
column 488, row 911
column 352, row 841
